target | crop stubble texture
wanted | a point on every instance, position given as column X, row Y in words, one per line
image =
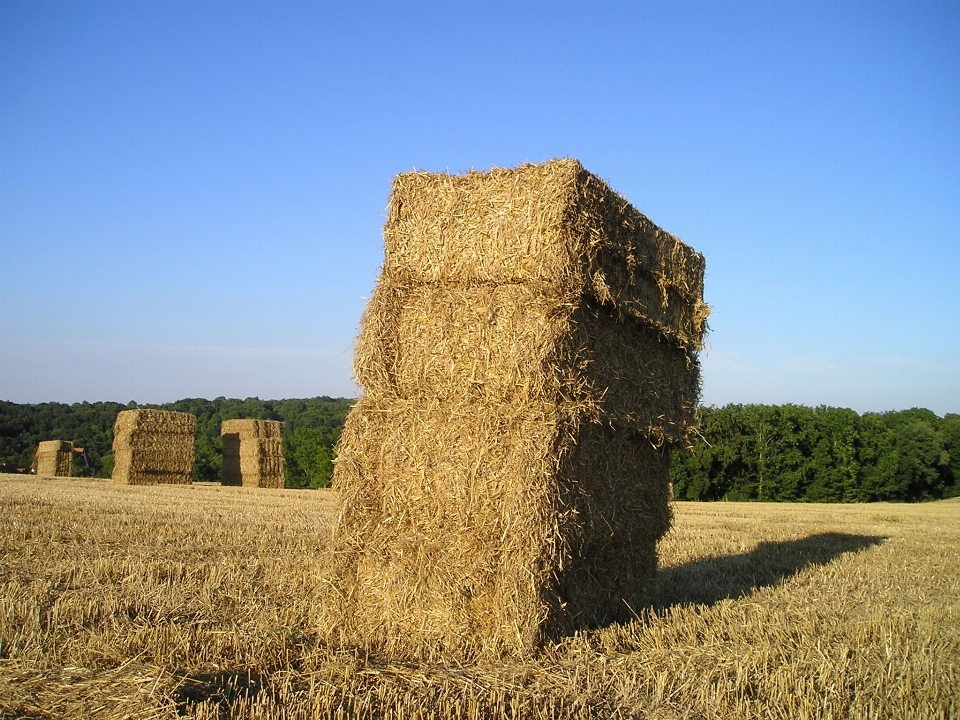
column 54, row 457
column 528, row 358
column 252, row 453
column 153, row 447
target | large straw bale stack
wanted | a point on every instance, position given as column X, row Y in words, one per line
column 529, row 356
column 152, row 447
column 252, row 453
column 55, row 457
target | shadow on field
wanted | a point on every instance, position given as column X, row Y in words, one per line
column 222, row 688
column 707, row 582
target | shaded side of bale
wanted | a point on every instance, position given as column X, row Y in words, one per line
column 55, row 458
column 153, row 447
column 615, row 485
column 252, row 453
column 230, row 473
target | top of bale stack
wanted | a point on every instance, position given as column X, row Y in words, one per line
column 154, row 421
column 53, row 446
column 553, row 223
column 249, row 429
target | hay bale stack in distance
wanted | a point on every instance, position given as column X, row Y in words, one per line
column 152, row 447
column 55, row 457
column 252, row 453
column 528, row 357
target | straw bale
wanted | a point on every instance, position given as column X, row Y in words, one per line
column 249, row 428
column 252, row 453
column 55, row 458
column 465, row 532
column 555, row 223
column 528, row 357
column 153, row 447
column 510, row 343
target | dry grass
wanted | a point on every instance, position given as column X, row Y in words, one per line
column 201, row 601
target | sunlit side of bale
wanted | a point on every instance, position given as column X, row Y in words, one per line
column 153, row 447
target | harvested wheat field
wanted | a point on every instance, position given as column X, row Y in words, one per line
column 200, row 601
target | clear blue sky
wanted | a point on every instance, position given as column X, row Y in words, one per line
column 191, row 193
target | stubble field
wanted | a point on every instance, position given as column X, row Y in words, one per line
column 202, row 601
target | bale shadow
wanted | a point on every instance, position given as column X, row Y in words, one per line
column 707, row 582
column 222, row 689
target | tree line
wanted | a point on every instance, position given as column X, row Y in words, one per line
column 787, row 453
column 794, row 453
column 311, row 428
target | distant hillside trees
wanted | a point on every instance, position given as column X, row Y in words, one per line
column 795, row 453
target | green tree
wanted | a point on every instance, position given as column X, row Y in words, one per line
column 950, row 435
column 879, row 459
column 106, row 466
column 713, row 468
column 923, row 463
column 309, row 458
column 791, row 452
column 833, row 463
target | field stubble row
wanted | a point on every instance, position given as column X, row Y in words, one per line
column 202, row 601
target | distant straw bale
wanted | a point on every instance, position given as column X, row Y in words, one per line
column 252, row 453
column 529, row 357
column 152, row 447
column 55, row 457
